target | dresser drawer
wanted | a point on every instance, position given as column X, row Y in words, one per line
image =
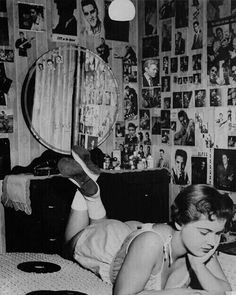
column 43, row 230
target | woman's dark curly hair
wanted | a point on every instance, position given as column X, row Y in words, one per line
column 198, row 199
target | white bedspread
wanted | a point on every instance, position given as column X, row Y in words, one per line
column 70, row 277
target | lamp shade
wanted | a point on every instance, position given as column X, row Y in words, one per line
column 121, row 10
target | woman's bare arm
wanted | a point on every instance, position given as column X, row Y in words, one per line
column 209, row 273
column 145, row 253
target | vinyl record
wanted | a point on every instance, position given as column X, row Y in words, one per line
column 48, row 292
column 68, row 292
column 38, row 267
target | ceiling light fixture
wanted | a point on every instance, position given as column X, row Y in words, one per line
column 121, row 10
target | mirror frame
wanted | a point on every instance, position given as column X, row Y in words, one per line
column 28, row 97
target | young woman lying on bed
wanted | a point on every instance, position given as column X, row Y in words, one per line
column 141, row 258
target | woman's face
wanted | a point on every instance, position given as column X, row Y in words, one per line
column 199, row 237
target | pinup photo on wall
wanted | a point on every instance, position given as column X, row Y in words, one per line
column 225, row 169
column 199, row 170
column 150, row 11
column 180, row 167
column 31, row 17
column 151, row 72
column 92, row 21
column 150, row 46
column 64, row 20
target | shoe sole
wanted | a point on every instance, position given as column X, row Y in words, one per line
column 77, row 158
column 91, row 198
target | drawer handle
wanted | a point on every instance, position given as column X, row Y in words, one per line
column 51, row 207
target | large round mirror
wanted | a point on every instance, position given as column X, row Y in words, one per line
column 70, row 96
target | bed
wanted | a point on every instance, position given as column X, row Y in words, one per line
column 30, row 219
column 71, row 276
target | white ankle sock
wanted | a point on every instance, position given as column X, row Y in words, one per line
column 95, row 206
column 96, row 209
column 79, row 203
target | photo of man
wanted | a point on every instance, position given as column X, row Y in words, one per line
column 165, row 84
column 130, row 103
column 166, row 36
column 165, row 119
column 6, row 122
column 150, row 46
column 199, row 170
column 197, row 38
column 186, row 134
column 31, row 17
column 156, row 125
column 219, row 44
column 151, row 97
column 167, row 102
column 103, row 50
column 178, row 174
column 179, row 43
column 67, row 23
column 213, row 75
column 150, row 17
column 174, row 64
column 165, row 65
column 120, row 129
column 163, row 162
column 187, row 95
column 224, row 170
column 165, row 136
column 177, row 100
column 197, row 62
column 200, row 98
column 167, row 8
column 129, row 56
column 215, row 97
column 181, row 13
column 184, row 63
column 145, row 119
column 22, row 44
column 91, row 16
column 196, row 78
column 150, row 73
column 37, row 18
column 131, row 137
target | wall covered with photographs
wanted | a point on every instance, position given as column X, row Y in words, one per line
column 29, row 29
column 186, row 89
column 175, row 65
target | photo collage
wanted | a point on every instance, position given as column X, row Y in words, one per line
column 181, row 110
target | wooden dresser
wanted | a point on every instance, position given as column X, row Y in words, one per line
column 136, row 195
